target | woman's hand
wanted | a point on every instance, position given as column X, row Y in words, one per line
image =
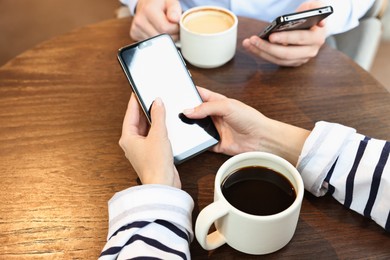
column 243, row 128
column 148, row 148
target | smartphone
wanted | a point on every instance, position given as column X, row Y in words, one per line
column 296, row 21
column 155, row 68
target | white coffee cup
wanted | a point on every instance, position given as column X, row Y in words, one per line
column 208, row 36
column 249, row 233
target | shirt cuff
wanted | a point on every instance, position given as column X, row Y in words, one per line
column 131, row 4
column 150, row 202
column 319, row 153
column 346, row 14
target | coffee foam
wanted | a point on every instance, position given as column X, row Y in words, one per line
column 208, row 21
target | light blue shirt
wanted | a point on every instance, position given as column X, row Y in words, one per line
column 345, row 17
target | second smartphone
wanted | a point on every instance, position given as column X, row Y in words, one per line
column 297, row 21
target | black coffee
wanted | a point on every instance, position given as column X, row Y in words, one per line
column 258, row 191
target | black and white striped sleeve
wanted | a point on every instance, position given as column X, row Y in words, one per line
column 354, row 168
column 149, row 221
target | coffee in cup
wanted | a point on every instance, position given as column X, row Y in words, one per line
column 208, row 21
column 257, row 201
column 258, row 190
column 208, row 36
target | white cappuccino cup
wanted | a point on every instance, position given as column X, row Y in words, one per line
column 208, row 36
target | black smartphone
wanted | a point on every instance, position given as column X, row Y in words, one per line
column 297, row 21
column 155, row 68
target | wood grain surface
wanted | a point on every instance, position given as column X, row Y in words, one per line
column 61, row 109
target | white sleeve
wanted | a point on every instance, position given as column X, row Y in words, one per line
column 131, row 4
column 149, row 221
column 354, row 168
column 346, row 14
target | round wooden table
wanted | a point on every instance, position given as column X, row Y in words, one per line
column 61, row 109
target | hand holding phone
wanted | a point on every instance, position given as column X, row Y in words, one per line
column 297, row 21
column 155, row 69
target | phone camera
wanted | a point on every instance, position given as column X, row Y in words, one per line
column 144, row 44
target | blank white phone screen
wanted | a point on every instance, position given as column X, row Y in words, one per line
column 156, row 70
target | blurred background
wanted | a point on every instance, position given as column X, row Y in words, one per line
column 26, row 23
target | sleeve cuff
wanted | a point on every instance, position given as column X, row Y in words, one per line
column 131, row 4
column 319, row 153
column 150, row 202
column 346, row 15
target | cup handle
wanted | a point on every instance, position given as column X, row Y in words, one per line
column 203, row 223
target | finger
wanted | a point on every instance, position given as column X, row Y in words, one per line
column 175, row 37
column 211, row 108
column 161, row 23
column 134, row 122
column 130, row 126
column 213, row 102
column 287, row 63
column 276, row 60
column 151, row 20
column 322, row 23
column 173, row 11
column 284, row 55
column 166, row 26
column 142, row 28
column 314, row 36
column 293, row 52
column 256, row 45
column 288, row 60
column 311, row 5
column 208, row 95
column 158, row 118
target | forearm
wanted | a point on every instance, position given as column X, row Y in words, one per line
column 158, row 216
column 283, row 139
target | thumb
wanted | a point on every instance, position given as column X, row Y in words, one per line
column 158, row 117
column 173, row 11
column 212, row 108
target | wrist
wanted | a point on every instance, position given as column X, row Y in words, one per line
column 284, row 140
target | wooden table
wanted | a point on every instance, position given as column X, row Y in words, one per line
column 61, row 109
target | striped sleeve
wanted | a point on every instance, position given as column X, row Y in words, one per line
column 149, row 221
column 354, row 168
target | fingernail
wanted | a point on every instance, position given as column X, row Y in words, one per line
column 158, row 101
column 188, row 111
